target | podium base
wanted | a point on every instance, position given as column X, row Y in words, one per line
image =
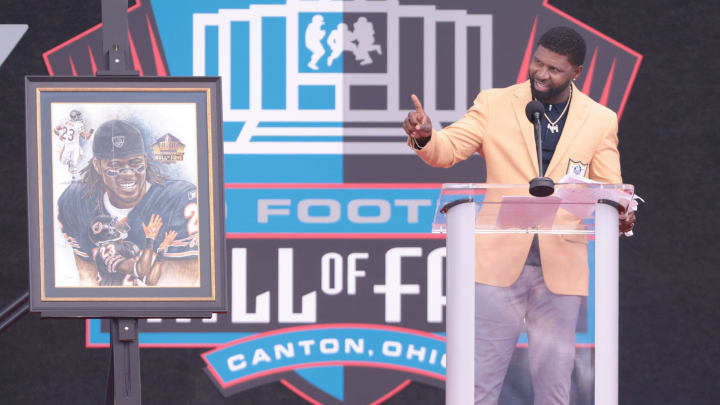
column 542, row 186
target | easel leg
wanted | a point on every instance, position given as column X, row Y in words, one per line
column 124, row 376
column 110, row 392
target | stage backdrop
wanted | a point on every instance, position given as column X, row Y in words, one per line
column 336, row 283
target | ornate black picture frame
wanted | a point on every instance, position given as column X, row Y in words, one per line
column 125, row 196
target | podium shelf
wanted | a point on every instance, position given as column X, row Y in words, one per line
column 510, row 209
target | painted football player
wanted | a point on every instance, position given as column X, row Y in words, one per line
column 121, row 262
column 120, row 181
column 71, row 134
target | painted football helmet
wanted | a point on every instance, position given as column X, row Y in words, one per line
column 75, row 115
column 105, row 228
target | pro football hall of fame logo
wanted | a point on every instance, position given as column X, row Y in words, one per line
column 336, row 281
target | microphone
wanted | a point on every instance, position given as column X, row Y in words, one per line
column 533, row 110
column 539, row 186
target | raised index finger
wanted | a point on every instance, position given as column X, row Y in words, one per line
column 418, row 105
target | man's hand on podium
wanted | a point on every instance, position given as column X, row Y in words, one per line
column 627, row 222
column 417, row 124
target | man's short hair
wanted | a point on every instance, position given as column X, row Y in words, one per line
column 565, row 41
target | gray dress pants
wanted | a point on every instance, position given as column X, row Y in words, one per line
column 501, row 314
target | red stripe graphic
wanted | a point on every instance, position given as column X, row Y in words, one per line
column 589, row 74
column 69, row 41
column 608, row 83
column 46, row 55
column 523, row 74
column 136, row 61
column 612, row 41
column 159, row 66
column 47, row 64
column 72, row 66
column 391, row 393
column 92, row 61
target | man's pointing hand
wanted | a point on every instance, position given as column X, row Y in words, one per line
column 417, row 124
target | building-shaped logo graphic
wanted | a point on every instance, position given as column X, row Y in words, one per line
column 168, row 149
column 332, row 77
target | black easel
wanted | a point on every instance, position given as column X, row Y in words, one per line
column 14, row 311
column 116, row 46
column 123, row 384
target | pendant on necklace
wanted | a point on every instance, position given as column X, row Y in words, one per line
column 553, row 127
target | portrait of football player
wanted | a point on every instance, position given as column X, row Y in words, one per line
column 113, row 215
column 72, row 133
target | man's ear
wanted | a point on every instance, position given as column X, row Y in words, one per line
column 578, row 71
column 96, row 165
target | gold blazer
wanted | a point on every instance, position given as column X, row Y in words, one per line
column 496, row 127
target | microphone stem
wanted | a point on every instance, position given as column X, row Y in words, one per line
column 538, row 138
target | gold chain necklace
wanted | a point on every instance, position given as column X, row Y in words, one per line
column 552, row 126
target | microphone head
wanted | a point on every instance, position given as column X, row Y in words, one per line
column 533, row 107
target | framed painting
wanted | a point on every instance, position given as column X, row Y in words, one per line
column 125, row 196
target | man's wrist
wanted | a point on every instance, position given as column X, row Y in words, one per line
column 420, row 143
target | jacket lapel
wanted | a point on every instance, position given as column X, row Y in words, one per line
column 522, row 97
column 578, row 113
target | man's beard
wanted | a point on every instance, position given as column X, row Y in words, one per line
column 552, row 91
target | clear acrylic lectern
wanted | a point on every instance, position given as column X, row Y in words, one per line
column 579, row 211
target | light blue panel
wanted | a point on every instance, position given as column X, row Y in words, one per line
column 591, row 295
column 95, row 333
column 316, row 97
column 295, row 138
column 211, row 50
column 319, row 46
column 240, row 65
column 283, row 168
column 273, row 63
column 231, row 130
column 243, row 212
column 175, row 23
column 97, row 337
column 177, row 338
column 297, row 124
column 328, row 379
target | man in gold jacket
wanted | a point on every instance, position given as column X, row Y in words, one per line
column 515, row 289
